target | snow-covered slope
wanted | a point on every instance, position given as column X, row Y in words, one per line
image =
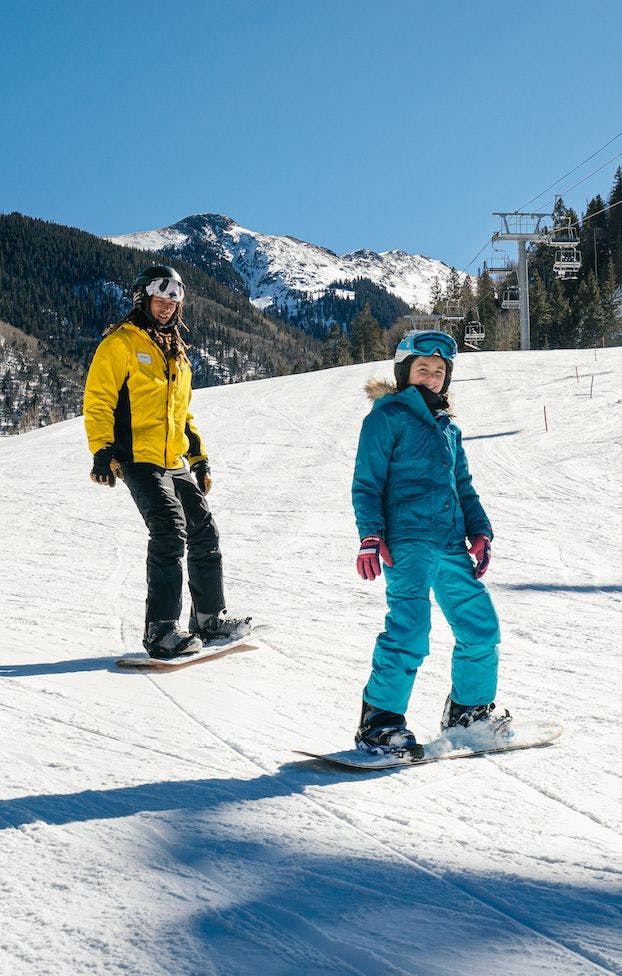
column 163, row 824
column 278, row 270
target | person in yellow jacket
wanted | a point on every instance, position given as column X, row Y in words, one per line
column 140, row 429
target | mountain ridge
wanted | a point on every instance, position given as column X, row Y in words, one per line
column 280, row 271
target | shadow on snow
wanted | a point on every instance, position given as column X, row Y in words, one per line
column 60, row 667
column 563, row 587
column 277, row 904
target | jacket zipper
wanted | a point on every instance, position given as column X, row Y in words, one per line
column 166, row 427
column 167, row 373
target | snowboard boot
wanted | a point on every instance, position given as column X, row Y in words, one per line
column 165, row 639
column 465, row 715
column 383, row 733
column 218, row 627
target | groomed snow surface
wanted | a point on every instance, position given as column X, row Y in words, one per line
column 162, row 824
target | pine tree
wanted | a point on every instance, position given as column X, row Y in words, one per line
column 466, row 295
column 594, row 238
column 614, row 224
column 377, row 343
column 454, row 285
column 436, row 295
column 540, row 313
column 337, row 349
column 560, row 334
column 588, row 313
column 367, row 338
column 612, row 323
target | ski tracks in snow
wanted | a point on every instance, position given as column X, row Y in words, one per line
column 335, row 955
column 500, row 864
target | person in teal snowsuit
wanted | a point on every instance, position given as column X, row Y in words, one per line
column 415, row 506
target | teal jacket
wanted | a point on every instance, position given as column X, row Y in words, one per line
column 411, row 477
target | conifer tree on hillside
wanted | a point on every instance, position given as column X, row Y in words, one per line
column 540, row 314
column 367, row 338
column 337, row 349
column 561, row 324
column 454, row 285
column 612, row 322
column 588, row 313
column 484, row 300
column 466, row 294
column 485, row 297
column 614, row 224
column 594, row 238
column 437, row 295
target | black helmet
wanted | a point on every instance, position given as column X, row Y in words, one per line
column 160, row 280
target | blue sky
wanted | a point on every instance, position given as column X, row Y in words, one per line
column 349, row 123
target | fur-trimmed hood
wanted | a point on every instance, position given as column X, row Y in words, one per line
column 376, row 388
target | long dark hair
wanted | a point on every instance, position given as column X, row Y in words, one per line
column 167, row 337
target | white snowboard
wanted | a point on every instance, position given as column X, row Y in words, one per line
column 452, row 744
column 209, row 652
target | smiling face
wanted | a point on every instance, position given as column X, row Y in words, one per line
column 427, row 371
column 161, row 309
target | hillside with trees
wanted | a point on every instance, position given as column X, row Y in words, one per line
column 342, row 302
column 34, row 389
column 569, row 313
column 62, row 287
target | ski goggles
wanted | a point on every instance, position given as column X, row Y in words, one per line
column 429, row 343
column 166, row 288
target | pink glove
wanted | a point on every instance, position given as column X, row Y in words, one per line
column 481, row 550
column 368, row 560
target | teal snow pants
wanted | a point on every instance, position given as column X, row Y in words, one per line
column 419, row 567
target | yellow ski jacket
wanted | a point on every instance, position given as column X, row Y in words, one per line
column 139, row 403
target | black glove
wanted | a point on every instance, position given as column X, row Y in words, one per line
column 201, row 471
column 105, row 467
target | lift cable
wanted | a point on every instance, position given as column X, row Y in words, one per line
column 573, row 170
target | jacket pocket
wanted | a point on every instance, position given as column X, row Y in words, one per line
column 411, row 495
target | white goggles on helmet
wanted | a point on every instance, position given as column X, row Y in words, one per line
column 166, row 288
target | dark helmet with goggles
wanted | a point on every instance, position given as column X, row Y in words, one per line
column 428, row 343
column 160, row 281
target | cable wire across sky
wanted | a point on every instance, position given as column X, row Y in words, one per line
column 568, row 189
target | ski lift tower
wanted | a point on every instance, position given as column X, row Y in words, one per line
column 523, row 228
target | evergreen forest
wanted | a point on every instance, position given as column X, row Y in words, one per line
column 61, row 287
column 578, row 312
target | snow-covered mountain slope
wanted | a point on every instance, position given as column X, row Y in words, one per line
column 163, row 824
column 279, row 270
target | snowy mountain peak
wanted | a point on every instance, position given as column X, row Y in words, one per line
column 278, row 270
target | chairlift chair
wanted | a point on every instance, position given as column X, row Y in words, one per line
column 567, row 261
column 452, row 309
column 563, row 233
column 511, row 297
column 426, row 323
column 474, row 332
column 566, row 275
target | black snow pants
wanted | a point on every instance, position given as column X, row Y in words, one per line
column 177, row 516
